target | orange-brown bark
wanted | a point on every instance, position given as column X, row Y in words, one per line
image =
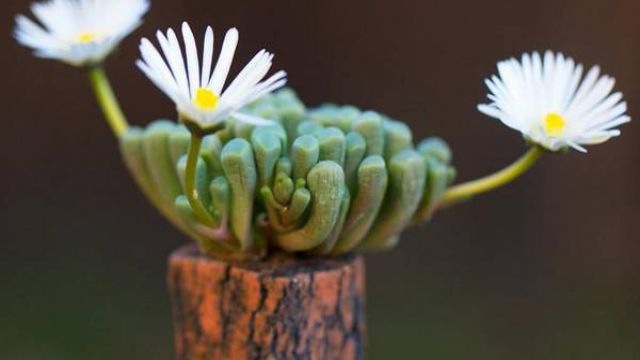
column 277, row 309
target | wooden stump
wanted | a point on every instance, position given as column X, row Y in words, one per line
column 281, row 308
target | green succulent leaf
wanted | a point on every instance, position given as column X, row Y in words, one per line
column 322, row 182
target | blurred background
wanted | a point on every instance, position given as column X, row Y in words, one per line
column 548, row 268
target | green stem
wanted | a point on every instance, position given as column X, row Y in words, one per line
column 493, row 181
column 107, row 100
column 199, row 210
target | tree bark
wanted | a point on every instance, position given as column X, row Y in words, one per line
column 281, row 308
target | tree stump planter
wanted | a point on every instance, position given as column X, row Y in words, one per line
column 280, row 308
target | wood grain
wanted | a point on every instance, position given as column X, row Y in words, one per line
column 281, row 308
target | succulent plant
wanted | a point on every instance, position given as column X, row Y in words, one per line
column 323, row 181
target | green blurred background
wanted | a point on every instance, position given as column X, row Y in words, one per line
column 547, row 268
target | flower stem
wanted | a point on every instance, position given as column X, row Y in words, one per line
column 199, row 210
column 493, row 181
column 107, row 100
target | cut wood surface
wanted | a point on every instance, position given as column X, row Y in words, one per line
column 281, row 308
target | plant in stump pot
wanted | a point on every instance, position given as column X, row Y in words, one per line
column 280, row 199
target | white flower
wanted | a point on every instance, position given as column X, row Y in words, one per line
column 549, row 102
column 197, row 91
column 79, row 32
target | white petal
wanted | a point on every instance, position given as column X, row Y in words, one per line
column 162, row 85
column 273, row 83
column 191, row 53
column 251, row 119
column 176, row 61
column 219, row 77
column 155, row 62
column 585, row 87
column 255, row 70
column 207, row 57
column 577, row 147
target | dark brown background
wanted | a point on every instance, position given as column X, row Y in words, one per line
column 545, row 269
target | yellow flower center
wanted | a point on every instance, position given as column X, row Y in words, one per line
column 554, row 124
column 206, row 99
column 86, row 38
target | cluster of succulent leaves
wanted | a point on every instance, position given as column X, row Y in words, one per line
column 320, row 182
